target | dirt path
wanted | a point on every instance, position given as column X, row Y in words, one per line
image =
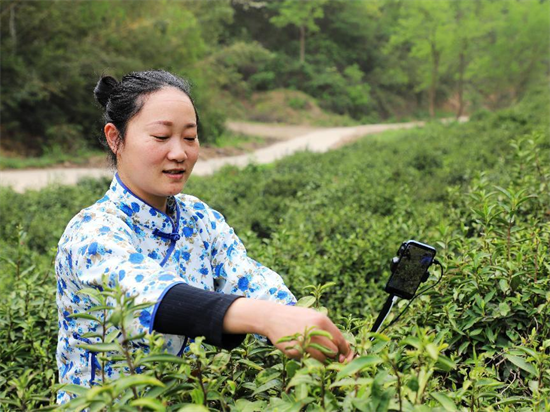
column 288, row 140
column 270, row 130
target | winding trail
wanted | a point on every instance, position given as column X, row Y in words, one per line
column 291, row 139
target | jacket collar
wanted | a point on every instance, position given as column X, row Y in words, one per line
column 142, row 213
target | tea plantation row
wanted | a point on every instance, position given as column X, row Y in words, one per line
column 480, row 340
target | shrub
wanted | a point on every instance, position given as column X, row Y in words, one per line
column 329, row 224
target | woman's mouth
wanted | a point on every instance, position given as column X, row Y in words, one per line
column 175, row 173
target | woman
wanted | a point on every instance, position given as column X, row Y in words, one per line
column 163, row 246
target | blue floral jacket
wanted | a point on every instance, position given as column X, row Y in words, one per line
column 147, row 252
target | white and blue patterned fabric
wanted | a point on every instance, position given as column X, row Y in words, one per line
column 146, row 252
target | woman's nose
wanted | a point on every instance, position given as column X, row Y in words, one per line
column 177, row 150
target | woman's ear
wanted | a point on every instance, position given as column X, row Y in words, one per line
column 112, row 136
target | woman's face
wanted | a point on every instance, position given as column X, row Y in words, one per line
column 161, row 147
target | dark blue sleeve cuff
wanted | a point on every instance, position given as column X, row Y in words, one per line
column 190, row 311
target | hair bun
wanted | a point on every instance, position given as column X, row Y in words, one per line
column 104, row 88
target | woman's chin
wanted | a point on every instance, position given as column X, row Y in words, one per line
column 173, row 188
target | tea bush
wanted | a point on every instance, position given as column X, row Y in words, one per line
column 329, row 224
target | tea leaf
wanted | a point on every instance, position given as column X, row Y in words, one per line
column 153, row 404
column 359, row 364
column 99, row 347
column 445, row 401
column 522, row 364
column 136, row 380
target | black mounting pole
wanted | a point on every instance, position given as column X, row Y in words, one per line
column 384, row 312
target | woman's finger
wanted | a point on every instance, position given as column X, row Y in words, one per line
column 339, row 340
column 347, row 358
column 288, row 349
column 331, row 349
column 317, row 354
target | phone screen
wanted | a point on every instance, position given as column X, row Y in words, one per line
column 410, row 269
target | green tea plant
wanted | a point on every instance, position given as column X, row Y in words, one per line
column 382, row 375
column 479, row 341
column 27, row 327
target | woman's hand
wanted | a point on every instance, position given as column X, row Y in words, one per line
column 288, row 320
column 277, row 321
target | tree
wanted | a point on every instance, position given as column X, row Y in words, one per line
column 54, row 52
column 301, row 14
column 423, row 31
column 514, row 51
column 468, row 27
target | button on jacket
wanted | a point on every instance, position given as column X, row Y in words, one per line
column 147, row 252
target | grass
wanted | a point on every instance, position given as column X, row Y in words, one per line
column 422, row 115
column 283, row 106
column 236, row 140
column 51, row 157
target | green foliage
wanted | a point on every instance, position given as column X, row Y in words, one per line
column 54, row 53
column 28, row 327
column 422, row 28
column 255, row 375
column 292, row 107
column 231, row 139
column 53, row 155
column 368, row 60
column 46, row 212
column 301, row 15
column 329, row 224
column 411, row 53
column 504, row 71
column 238, row 64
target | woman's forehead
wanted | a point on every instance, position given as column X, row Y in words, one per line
column 166, row 107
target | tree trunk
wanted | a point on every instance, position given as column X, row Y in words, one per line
column 525, row 75
column 302, row 44
column 461, row 69
column 385, row 108
column 13, row 32
column 433, row 84
column 461, row 62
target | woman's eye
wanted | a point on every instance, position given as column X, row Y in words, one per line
column 161, row 137
column 191, row 138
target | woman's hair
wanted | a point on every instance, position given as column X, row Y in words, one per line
column 123, row 100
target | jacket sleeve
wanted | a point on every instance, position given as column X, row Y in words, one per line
column 101, row 244
column 235, row 272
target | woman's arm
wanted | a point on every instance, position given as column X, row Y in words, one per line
column 225, row 319
column 277, row 321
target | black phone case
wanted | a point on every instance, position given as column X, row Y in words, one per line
column 403, row 250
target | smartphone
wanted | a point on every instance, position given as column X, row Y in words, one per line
column 410, row 268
